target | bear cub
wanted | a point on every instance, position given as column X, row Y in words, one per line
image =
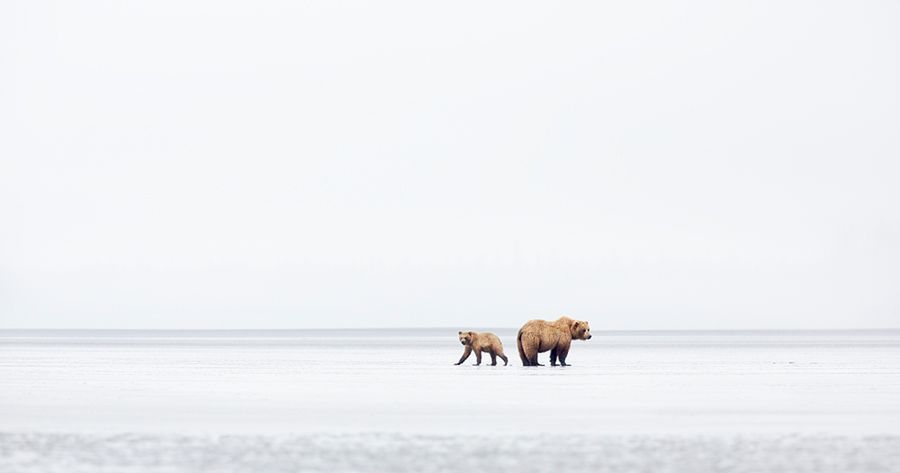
column 481, row 342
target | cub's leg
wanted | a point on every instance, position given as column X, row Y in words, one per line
column 493, row 358
column 466, row 353
column 553, row 357
column 504, row 358
column 477, row 357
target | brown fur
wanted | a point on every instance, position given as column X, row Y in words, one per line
column 538, row 336
column 481, row 342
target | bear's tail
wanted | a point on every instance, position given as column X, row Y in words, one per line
column 521, row 350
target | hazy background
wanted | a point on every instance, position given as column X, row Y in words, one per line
column 642, row 165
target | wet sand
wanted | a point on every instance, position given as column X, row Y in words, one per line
column 393, row 401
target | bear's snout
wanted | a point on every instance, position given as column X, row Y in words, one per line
column 589, row 337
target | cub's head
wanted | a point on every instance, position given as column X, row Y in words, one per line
column 466, row 337
column 581, row 330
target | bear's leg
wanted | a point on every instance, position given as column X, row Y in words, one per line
column 521, row 349
column 524, row 357
column 477, row 357
column 528, row 349
column 504, row 358
column 493, row 358
column 563, row 352
column 553, row 357
column 532, row 355
column 466, row 353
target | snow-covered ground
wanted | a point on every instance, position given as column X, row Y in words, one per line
column 393, row 401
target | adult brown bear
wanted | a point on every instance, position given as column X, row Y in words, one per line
column 538, row 336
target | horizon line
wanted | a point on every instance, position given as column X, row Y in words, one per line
column 859, row 329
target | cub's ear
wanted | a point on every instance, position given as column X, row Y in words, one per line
column 471, row 333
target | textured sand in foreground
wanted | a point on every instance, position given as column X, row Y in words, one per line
column 50, row 453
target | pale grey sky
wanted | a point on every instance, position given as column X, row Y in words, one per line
column 264, row 164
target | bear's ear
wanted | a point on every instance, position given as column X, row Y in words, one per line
column 460, row 332
column 471, row 333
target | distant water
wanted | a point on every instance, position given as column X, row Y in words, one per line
column 391, row 400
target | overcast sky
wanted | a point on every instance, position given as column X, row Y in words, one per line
column 264, row 164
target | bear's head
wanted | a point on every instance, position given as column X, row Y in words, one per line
column 581, row 330
column 466, row 337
